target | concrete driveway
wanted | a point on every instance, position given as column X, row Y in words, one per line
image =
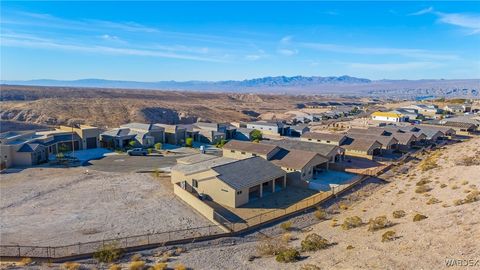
column 126, row 163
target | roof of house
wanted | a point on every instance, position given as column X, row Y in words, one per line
column 248, row 172
column 387, row 114
column 369, row 131
column 325, row 150
column 29, row 147
column 299, row 127
column 202, row 165
column 251, row 147
column 459, row 124
column 360, row 144
column 324, row 136
column 404, row 138
column 384, row 140
column 140, row 126
column 295, row 159
column 195, row 158
column 265, row 123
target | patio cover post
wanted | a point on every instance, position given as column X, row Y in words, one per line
column 284, row 181
column 273, row 185
column 261, row 190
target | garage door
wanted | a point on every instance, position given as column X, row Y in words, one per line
column 91, row 142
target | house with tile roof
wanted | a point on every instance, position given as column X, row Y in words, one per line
column 326, row 138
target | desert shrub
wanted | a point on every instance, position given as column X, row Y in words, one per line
column 180, row 266
column 288, row 255
column 159, row 266
column 458, row 202
column 150, row 150
column 388, row 236
column 423, row 189
column 256, row 135
column 473, row 196
column 454, row 187
column 419, row 217
column 287, row 237
column 443, row 185
column 25, row 261
column 469, row 161
column 423, row 182
column 108, row 254
column 314, row 242
column 464, row 182
column 179, row 250
column 269, row 246
column 309, row 267
column 320, row 214
column 136, row 257
column 349, row 247
column 136, row 265
column 433, row 201
column 115, row 267
column 378, row 223
column 343, row 206
column 430, row 162
column 400, row 192
column 352, row 222
column 398, row 213
column 286, row 225
column 71, row 266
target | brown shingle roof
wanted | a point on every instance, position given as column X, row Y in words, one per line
column 384, row 140
column 257, row 148
column 360, row 144
column 404, row 138
column 335, row 137
column 295, row 159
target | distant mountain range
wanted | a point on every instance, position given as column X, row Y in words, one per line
column 342, row 85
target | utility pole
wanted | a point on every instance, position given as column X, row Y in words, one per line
column 73, row 145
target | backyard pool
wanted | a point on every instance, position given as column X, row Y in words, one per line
column 321, row 181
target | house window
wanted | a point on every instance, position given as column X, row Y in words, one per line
column 328, row 141
column 232, row 151
column 254, row 155
column 224, row 190
column 195, row 183
column 239, row 192
column 243, row 153
column 309, row 139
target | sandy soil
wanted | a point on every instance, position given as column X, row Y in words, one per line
column 49, row 206
column 449, row 231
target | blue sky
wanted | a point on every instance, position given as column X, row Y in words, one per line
column 152, row 41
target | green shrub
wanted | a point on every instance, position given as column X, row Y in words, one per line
column 180, row 266
column 136, row 265
column 136, row 257
column 150, row 150
column 189, row 142
column 158, row 146
column 288, row 255
column 269, row 246
column 108, row 254
column 378, row 223
column 256, row 135
column 286, row 225
column 314, row 242
column 71, row 266
column 352, row 222
column 398, row 213
column 388, row 236
column 419, row 217
column 159, row 266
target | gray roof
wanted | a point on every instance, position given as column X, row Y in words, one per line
column 268, row 124
column 117, row 132
column 325, row 150
column 29, row 147
column 195, row 158
column 249, row 172
column 141, row 126
column 202, row 166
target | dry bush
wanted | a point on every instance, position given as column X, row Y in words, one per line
column 159, row 266
column 71, row 266
column 423, row 182
column 423, row 189
column 400, row 192
column 269, row 246
column 287, row 237
column 464, row 182
column 443, row 185
column 108, row 254
column 114, row 267
column 180, row 266
column 313, row 242
column 288, row 255
column 454, row 187
column 343, row 206
column 309, row 267
column 398, row 213
column 473, row 196
column 378, row 223
column 136, row 265
column 320, row 214
column 458, row 202
column 25, row 261
column 433, row 201
column 136, row 257
column 179, row 251
column 352, row 222
column 430, row 162
column 469, row 161
column 286, row 226
column 419, row 217
column 349, row 247
column 388, row 236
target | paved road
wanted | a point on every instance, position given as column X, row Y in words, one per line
column 126, row 163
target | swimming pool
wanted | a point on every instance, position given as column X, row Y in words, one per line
column 322, row 181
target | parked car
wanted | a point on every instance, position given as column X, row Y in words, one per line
column 137, row 152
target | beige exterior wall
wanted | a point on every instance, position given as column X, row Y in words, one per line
column 6, row 155
column 237, row 154
column 84, row 132
column 321, row 141
column 361, row 154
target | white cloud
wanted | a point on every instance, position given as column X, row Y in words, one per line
column 109, row 37
column 286, row 39
column 287, row 52
column 421, row 12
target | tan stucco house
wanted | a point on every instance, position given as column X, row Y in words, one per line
column 326, row 138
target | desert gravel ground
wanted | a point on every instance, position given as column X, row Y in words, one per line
column 57, row 206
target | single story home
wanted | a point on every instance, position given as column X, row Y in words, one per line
column 365, row 148
column 274, row 128
column 143, row 135
column 243, row 134
column 241, row 149
column 298, row 130
column 332, row 152
column 230, row 182
column 388, row 117
column 326, row 138
column 388, row 141
column 174, row 134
